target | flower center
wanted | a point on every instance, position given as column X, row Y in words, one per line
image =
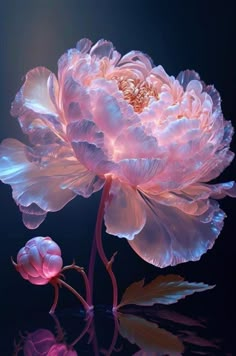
column 137, row 92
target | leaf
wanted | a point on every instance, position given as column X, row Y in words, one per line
column 163, row 290
column 148, row 336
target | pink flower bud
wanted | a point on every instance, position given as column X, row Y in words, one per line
column 40, row 260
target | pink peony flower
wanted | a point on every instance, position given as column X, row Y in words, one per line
column 39, row 261
column 159, row 138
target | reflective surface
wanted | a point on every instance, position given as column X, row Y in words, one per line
column 179, row 36
column 135, row 331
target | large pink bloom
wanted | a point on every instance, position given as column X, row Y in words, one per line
column 160, row 138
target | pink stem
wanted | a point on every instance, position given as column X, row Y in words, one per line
column 72, row 290
column 98, row 235
column 59, row 332
column 86, row 281
column 56, row 295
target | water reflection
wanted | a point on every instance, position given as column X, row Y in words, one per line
column 137, row 331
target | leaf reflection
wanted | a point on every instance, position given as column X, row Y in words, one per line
column 148, row 336
column 152, row 332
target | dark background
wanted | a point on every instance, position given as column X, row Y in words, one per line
column 196, row 35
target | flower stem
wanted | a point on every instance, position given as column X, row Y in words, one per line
column 87, row 307
column 56, row 295
column 86, row 281
column 98, row 236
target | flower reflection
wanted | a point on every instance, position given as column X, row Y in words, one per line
column 142, row 327
column 42, row 342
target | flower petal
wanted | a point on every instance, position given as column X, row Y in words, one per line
column 35, row 258
column 75, row 100
column 42, row 183
column 34, row 94
column 186, row 76
column 40, row 281
column 39, row 130
column 102, row 49
column 135, row 143
column 92, row 157
column 85, row 131
column 124, row 211
column 171, row 236
column 138, row 171
column 52, row 265
column 25, row 264
column 32, row 215
column 84, row 45
column 106, row 112
column 136, row 60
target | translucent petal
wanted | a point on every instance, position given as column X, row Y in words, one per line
column 32, row 215
column 87, row 131
column 75, row 100
column 42, row 184
column 102, row 49
column 84, row 45
column 186, row 76
column 92, row 157
column 124, row 211
column 137, row 60
column 189, row 204
column 107, row 112
column 135, row 143
column 139, row 171
column 34, row 94
column 215, row 96
column 171, row 236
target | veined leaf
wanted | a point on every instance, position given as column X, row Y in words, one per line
column 163, row 290
column 148, row 336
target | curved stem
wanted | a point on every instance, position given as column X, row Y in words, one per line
column 72, row 290
column 56, row 295
column 98, row 235
column 86, row 281
column 59, row 332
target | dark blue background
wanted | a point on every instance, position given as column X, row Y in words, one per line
column 197, row 35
